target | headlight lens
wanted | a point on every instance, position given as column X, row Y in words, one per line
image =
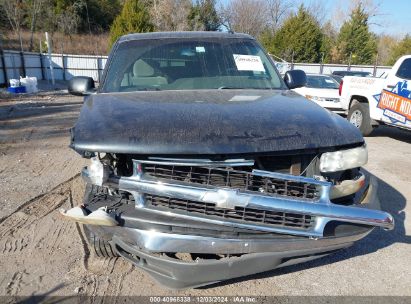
column 343, row 159
column 322, row 99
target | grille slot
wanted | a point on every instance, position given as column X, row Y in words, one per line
column 267, row 217
column 244, row 181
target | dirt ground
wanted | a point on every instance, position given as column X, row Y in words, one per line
column 41, row 254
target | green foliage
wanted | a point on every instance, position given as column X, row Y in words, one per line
column 299, row 39
column 326, row 46
column 401, row 49
column 203, row 16
column 266, row 38
column 328, row 43
column 134, row 18
column 100, row 13
column 356, row 40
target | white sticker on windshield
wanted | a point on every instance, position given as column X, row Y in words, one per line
column 200, row 49
column 329, row 81
column 248, row 63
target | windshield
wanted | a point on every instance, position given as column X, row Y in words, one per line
column 321, row 82
column 190, row 64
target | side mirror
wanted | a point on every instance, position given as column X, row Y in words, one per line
column 295, row 79
column 81, row 86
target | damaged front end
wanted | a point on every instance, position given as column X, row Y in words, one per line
column 192, row 222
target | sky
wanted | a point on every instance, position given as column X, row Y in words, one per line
column 394, row 15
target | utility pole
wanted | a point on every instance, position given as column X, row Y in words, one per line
column 322, row 63
column 50, row 60
column 375, row 66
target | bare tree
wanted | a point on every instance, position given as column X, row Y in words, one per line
column 385, row 45
column 319, row 10
column 15, row 10
column 278, row 10
column 246, row 16
column 171, row 15
column 372, row 8
column 34, row 10
column 68, row 21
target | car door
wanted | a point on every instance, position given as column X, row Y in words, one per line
column 397, row 101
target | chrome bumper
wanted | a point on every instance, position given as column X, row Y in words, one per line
column 322, row 209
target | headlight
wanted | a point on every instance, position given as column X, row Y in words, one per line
column 343, row 159
column 322, row 99
column 98, row 172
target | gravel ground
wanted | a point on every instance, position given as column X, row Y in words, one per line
column 41, row 254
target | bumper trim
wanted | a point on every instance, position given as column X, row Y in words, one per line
column 156, row 241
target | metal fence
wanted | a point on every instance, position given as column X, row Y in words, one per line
column 15, row 64
column 317, row 68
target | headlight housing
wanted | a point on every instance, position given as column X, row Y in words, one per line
column 322, row 99
column 343, row 159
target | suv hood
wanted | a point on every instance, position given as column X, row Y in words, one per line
column 207, row 122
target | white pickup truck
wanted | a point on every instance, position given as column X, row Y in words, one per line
column 369, row 102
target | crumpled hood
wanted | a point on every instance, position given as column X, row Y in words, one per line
column 207, row 122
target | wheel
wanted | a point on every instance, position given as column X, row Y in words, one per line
column 100, row 245
column 359, row 116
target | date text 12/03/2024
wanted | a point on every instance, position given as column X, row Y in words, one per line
column 203, row 299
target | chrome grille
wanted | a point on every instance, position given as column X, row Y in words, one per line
column 268, row 217
column 243, row 181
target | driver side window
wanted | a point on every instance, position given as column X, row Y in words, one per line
column 404, row 71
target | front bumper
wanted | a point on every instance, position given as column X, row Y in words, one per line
column 176, row 274
column 237, row 247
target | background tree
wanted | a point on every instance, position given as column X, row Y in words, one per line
column 385, row 46
column 277, row 11
column 355, row 43
column 171, row 15
column 98, row 15
column 329, row 40
column 134, row 18
column 401, row 49
column 203, row 16
column 299, row 39
column 34, row 12
column 15, row 11
column 69, row 20
column 245, row 16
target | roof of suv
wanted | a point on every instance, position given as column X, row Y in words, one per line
column 177, row 35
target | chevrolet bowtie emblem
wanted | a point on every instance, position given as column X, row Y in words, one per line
column 225, row 198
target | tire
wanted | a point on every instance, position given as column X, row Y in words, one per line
column 100, row 247
column 359, row 116
column 98, row 244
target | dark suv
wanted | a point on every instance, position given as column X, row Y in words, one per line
column 204, row 166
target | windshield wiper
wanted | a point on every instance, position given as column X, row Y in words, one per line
column 238, row 88
column 148, row 89
column 229, row 88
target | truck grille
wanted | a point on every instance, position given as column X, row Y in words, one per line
column 268, row 217
column 243, row 181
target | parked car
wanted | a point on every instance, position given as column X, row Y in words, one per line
column 352, row 73
column 204, row 166
column 374, row 101
column 323, row 90
column 337, row 78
